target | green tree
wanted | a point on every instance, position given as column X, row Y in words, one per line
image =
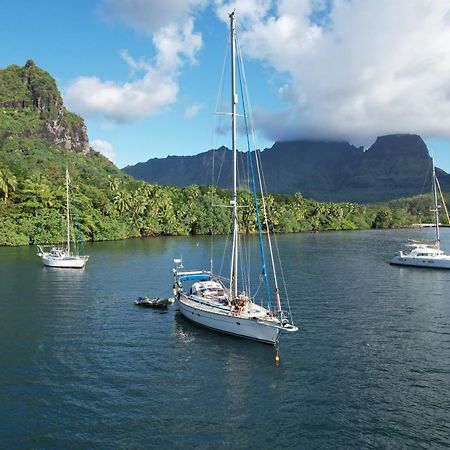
column 383, row 218
column 122, row 200
column 8, row 182
column 112, row 183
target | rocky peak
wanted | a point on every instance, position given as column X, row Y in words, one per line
column 34, row 91
column 395, row 145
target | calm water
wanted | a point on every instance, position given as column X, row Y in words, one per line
column 82, row 367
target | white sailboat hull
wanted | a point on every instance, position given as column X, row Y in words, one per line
column 257, row 330
column 70, row 262
column 429, row 262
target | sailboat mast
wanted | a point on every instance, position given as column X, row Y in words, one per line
column 234, row 252
column 436, row 207
column 67, row 210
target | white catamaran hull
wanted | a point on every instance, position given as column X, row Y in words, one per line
column 229, row 324
column 433, row 263
column 427, row 253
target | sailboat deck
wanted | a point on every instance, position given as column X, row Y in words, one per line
column 251, row 311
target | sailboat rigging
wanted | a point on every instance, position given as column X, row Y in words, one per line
column 215, row 303
column 427, row 253
column 63, row 257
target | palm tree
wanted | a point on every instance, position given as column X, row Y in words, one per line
column 112, row 183
column 122, row 201
column 8, row 182
column 137, row 205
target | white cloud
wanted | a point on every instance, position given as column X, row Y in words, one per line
column 122, row 103
column 357, row 70
column 176, row 43
column 149, row 16
column 193, row 110
column 135, row 65
column 105, row 148
column 248, row 11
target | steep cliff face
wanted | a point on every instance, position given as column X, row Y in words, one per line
column 67, row 130
column 31, row 105
column 399, row 146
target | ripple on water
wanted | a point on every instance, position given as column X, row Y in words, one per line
column 83, row 367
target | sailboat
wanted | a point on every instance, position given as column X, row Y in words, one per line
column 217, row 303
column 427, row 253
column 63, row 257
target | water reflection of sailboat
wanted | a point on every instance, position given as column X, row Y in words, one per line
column 212, row 301
column 63, row 257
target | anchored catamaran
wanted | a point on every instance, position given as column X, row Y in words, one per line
column 219, row 304
column 427, row 253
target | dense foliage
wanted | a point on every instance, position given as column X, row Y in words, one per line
column 112, row 205
column 31, row 106
column 29, row 87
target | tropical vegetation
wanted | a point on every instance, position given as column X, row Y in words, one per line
column 109, row 204
column 112, row 205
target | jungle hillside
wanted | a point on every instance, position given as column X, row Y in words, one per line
column 39, row 138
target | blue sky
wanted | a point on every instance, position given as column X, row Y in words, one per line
column 145, row 74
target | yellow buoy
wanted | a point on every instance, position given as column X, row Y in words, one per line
column 277, row 359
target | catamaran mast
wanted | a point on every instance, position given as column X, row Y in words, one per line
column 234, row 252
column 67, row 210
column 436, row 206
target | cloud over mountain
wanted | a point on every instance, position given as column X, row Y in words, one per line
column 356, row 68
column 353, row 69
